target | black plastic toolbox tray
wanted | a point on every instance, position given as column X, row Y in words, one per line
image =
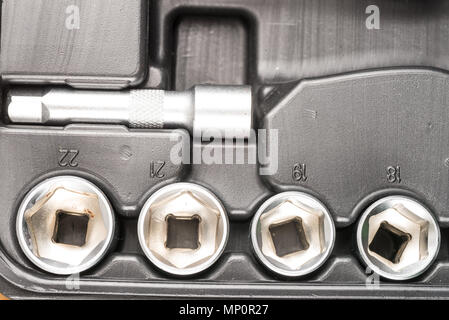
column 41, row 43
column 125, row 270
column 348, row 130
column 309, row 61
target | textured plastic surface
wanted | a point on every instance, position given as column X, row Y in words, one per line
column 346, row 128
column 347, row 131
column 47, row 41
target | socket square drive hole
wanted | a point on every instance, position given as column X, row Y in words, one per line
column 288, row 237
column 183, row 232
column 389, row 242
column 71, row 228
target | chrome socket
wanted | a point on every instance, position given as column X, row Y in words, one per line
column 292, row 234
column 398, row 237
column 65, row 225
column 183, row 229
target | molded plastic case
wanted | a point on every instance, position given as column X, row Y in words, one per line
column 347, row 101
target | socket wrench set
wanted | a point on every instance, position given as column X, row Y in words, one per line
column 224, row 149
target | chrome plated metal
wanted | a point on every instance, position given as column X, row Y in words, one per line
column 221, row 111
column 292, row 234
column 65, row 225
column 201, row 233
column 398, row 237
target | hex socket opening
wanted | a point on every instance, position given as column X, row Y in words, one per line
column 65, row 225
column 292, row 234
column 398, row 237
column 183, row 229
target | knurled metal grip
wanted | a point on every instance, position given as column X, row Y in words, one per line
column 146, row 109
column 204, row 110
